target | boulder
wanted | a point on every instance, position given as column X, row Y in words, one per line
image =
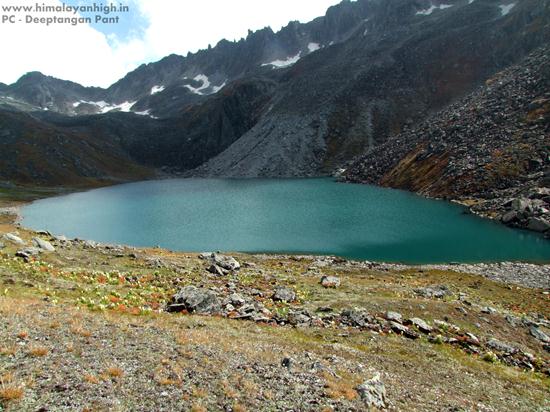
column 356, row 317
column 435, row 292
column 284, row 294
column 488, row 310
column 216, row 270
column 237, row 299
column 10, row 237
column 28, row 252
column 299, row 318
column 521, row 205
column 421, row 325
column 330, row 282
column 394, row 316
column 2, row 246
column 539, row 334
column 538, row 225
column 373, row 393
column 225, row 262
column 509, row 217
column 501, row 346
column 403, row 330
column 43, row 244
column 195, row 300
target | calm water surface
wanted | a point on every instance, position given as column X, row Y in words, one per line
column 295, row 216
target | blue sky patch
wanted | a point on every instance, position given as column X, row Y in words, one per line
column 131, row 24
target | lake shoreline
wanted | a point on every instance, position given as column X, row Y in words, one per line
column 526, row 274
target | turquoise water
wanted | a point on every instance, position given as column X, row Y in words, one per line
column 317, row 216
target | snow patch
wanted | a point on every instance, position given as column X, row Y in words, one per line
column 101, row 104
column 144, row 113
column 432, row 8
column 216, row 89
column 157, row 89
column 106, row 107
column 279, row 64
column 506, row 8
column 205, row 84
column 122, row 107
column 313, row 47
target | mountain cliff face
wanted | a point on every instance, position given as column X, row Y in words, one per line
column 41, row 154
column 298, row 102
column 493, row 146
column 397, row 67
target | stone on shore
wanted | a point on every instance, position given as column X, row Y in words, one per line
column 42, row 244
column 10, row 237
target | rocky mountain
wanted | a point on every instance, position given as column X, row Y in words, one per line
column 50, row 149
column 48, row 93
column 407, row 59
column 152, row 88
column 41, row 154
column 298, row 102
column 490, row 149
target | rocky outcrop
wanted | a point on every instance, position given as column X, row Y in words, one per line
column 195, row 300
column 488, row 150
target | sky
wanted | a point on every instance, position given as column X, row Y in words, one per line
column 98, row 54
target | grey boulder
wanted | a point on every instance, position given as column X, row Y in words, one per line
column 539, row 334
column 501, row 346
column 195, row 300
column 538, row 225
column 28, row 252
column 284, row 294
column 373, row 393
column 394, row 316
column 330, row 282
column 421, row 325
column 43, row 244
column 10, row 237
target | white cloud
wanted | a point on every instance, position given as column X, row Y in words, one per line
column 85, row 55
column 77, row 53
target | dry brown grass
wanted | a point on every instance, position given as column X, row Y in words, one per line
column 339, row 388
column 199, row 392
column 79, row 330
column 228, row 390
column 9, row 391
column 237, row 407
column 38, row 351
column 114, row 372
column 23, row 335
column 8, row 350
column 198, row 408
column 91, row 379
